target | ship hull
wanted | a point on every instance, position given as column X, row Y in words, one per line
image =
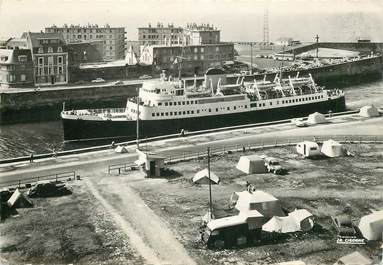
column 77, row 129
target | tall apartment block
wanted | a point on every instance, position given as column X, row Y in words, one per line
column 159, row 35
column 113, row 38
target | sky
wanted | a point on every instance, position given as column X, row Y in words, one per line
column 238, row 20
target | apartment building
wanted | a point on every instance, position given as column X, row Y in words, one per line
column 113, row 38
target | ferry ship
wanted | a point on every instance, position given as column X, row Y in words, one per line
column 166, row 106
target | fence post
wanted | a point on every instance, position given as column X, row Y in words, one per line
column 119, row 171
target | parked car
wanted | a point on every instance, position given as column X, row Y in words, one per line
column 272, row 165
column 119, row 82
column 98, row 80
column 145, row 77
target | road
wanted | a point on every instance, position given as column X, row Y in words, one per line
column 84, row 163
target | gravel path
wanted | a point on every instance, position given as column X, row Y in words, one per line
column 146, row 231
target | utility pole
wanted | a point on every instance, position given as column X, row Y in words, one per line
column 208, row 170
column 138, row 121
column 317, row 39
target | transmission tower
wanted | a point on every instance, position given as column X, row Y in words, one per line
column 266, row 25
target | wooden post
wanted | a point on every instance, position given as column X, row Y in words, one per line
column 208, row 170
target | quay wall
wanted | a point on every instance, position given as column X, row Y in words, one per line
column 30, row 106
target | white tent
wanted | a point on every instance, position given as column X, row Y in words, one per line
column 371, row 226
column 251, row 164
column 308, row 149
column 303, row 218
column 18, row 200
column 369, row 111
column 332, row 148
column 354, row 258
column 285, row 224
column 202, row 177
column 316, row 118
column 121, row 149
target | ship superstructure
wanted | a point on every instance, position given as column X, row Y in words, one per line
column 168, row 106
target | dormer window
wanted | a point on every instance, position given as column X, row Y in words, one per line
column 41, row 50
column 50, row 50
column 59, row 49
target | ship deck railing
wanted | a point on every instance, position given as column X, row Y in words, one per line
column 94, row 111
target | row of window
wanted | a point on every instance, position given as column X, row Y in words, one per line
column 50, row 70
column 12, row 78
column 175, row 113
column 50, row 49
column 188, row 102
column 287, row 101
column 40, row 60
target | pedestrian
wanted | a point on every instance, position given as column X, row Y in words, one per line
column 31, row 158
column 113, row 144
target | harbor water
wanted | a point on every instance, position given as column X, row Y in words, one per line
column 45, row 137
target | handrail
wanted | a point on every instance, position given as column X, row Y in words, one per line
column 259, row 145
column 162, row 137
column 57, row 176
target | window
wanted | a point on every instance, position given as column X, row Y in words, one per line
column 40, row 71
column 59, row 70
column 188, row 112
column 197, row 110
column 23, row 77
column 184, row 112
column 202, row 49
column 166, row 103
column 162, row 114
column 40, row 61
column 235, row 107
column 170, row 103
column 157, row 114
column 59, row 49
column 245, row 106
column 153, row 114
column 209, row 110
column 216, row 109
column 183, row 102
column 60, row 60
column 159, row 104
column 22, row 58
column 50, row 60
column 50, row 50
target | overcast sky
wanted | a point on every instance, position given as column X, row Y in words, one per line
column 239, row 20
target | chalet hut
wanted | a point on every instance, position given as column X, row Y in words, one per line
column 308, row 149
column 152, row 164
column 316, row 118
column 202, row 177
column 354, row 258
column 332, row 148
column 18, row 200
column 252, row 164
column 121, row 149
column 371, row 226
column 261, row 201
column 369, row 111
